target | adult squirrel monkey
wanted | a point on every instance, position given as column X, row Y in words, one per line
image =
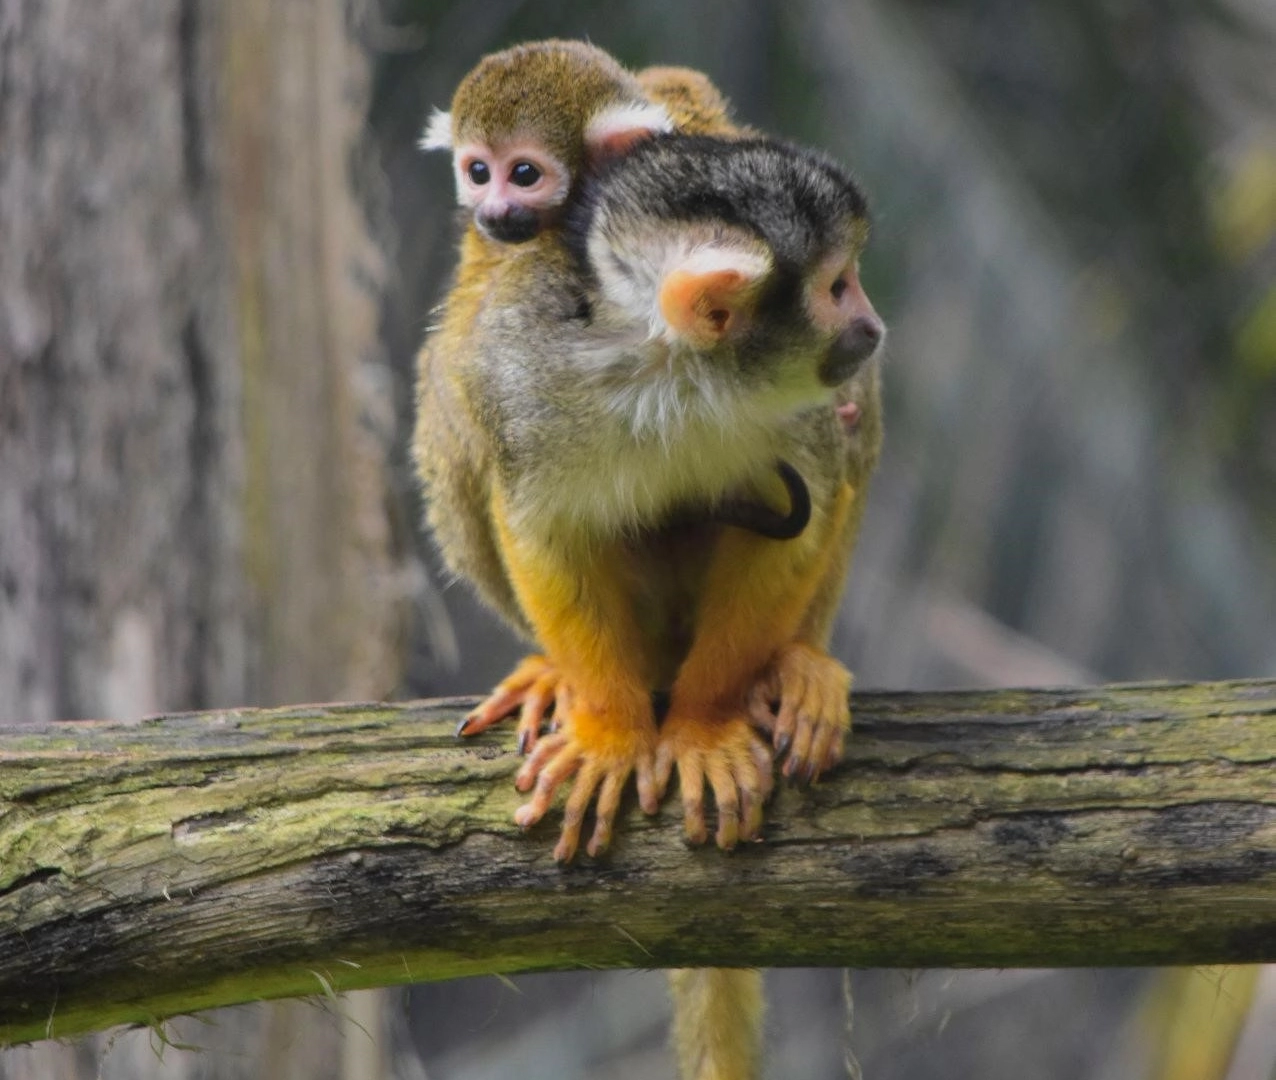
column 678, row 351
column 467, row 460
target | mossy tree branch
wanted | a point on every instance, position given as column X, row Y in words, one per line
column 202, row 859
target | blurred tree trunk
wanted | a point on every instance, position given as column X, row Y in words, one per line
column 192, row 418
column 121, row 588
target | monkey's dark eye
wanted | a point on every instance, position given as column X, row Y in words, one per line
column 524, row 174
column 838, row 288
column 479, row 172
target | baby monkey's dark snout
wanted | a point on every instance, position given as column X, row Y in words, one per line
column 515, row 225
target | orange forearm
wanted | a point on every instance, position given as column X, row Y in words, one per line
column 580, row 613
column 756, row 598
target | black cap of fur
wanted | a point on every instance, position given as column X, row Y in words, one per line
column 787, row 195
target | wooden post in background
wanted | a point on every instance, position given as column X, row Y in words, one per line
column 193, row 413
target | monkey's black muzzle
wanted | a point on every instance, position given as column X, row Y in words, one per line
column 854, row 345
column 516, row 225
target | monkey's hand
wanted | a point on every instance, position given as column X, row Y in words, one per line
column 812, row 692
column 719, row 746
column 601, row 747
column 531, row 688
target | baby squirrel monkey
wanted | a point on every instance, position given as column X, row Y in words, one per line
column 526, row 122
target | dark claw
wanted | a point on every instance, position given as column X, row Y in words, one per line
column 782, row 747
column 522, row 742
column 465, row 722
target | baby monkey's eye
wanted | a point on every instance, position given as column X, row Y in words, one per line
column 838, row 288
column 479, row 172
column 524, row 174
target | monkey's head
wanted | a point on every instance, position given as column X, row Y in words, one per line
column 526, row 122
column 742, row 256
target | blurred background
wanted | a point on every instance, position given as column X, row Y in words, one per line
column 219, row 247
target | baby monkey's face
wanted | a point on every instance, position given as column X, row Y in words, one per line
column 513, row 187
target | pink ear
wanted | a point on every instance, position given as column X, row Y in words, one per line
column 618, row 127
column 703, row 306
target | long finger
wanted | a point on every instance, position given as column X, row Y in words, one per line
column 826, row 748
column 505, row 696
column 691, row 779
column 764, row 763
column 660, row 773
column 491, row 710
column 574, row 811
column 786, row 722
column 532, row 714
column 561, row 768
column 800, row 753
column 727, row 797
column 760, row 706
column 649, row 789
column 754, row 791
column 605, row 812
column 545, row 750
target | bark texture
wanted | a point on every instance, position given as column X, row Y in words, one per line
column 120, row 590
column 204, row 859
column 194, row 504
column 193, row 427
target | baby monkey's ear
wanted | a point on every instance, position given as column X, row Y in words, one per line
column 438, row 132
column 617, row 127
column 709, row 296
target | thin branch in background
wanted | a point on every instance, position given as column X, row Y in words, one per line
column 853, row 1070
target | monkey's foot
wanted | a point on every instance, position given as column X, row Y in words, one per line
column 812, row 691
column 600, row 749
column 723, row 749
column 531, row 688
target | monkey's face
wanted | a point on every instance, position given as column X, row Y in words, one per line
column 726, row 316
column 742, row 257
column 840, row 310
column 514, row 188
column 798, row 330
column 524, row 123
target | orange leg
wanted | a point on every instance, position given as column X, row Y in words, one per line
column 532, row 688
column 802, row 698
column 583, row 619
column 756, row 595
